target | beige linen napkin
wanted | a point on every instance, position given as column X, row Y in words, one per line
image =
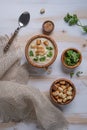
column 10, row 68
column 8, row 59
column 20, row 102
column 24, row 102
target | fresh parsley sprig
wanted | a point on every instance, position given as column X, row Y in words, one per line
column 74, row 20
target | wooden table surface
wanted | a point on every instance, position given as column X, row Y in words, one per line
column 65, row 37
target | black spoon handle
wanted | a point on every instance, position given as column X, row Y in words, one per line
column 11, row 40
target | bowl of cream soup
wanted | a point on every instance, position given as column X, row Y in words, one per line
column 41, row 51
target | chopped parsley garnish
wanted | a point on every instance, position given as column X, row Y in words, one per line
column 42, row 59
column 49, row 48
column 35, row 59
column 31, row 53
column 71, row 57
column 50, row 54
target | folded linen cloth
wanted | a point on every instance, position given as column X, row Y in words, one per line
column 21, row 102
column 6, row 59
column 10, row 68
column 24, row 102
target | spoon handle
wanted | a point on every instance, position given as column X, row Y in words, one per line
column 11, row 40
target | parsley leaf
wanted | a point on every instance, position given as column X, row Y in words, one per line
column 67, row 17
column 49, row 54
column 42, row 59
column 71, row 74
column 78, row 73
column 74, row 20
column 31, row 53
column 35, row 59
column 49, row 48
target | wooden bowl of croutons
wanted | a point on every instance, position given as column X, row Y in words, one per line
column 41, row 51
column 62, row 91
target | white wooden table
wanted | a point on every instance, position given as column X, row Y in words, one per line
column 65, row 36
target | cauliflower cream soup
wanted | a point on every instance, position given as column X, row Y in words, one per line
column 41, row 51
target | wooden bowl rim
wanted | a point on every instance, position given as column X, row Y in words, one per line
column 52, row 98
column 77, row 64
column 55, row 48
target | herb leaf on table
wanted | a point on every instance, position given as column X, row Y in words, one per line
column 74, row 20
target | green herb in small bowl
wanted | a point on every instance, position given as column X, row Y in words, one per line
column 71, row 58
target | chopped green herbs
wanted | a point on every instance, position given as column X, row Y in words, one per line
column 42, row 59
column 71, row 57
column 35, row 59
column 74, row 20
column 49, row 48
column 50, row 54
column 31, row 53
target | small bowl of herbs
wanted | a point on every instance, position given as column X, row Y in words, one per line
column 71, row 58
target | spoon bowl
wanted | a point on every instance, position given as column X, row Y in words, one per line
column 22, row 21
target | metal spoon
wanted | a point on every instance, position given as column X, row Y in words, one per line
column 23, row 21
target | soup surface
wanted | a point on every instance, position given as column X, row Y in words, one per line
column 41, row 51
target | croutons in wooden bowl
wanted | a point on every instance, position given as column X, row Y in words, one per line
column 41, row 51
column 62, row 91
column 71, row 58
